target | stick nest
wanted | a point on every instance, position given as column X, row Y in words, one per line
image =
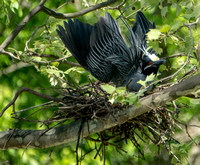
column 90, row 102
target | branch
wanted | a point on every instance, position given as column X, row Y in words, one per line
column 21, row 25
column 2, row 51
column 13, row 68
column 30, row 91
column 76, row 14
column 188, row 54
column 68, row 133
column 62, row 59
column 118, row 6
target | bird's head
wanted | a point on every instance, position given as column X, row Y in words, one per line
column 151, row 63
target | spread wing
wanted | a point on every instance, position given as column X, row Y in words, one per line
column 76, row 37
column 109, row 53
column 142, row 26
column 100, row 48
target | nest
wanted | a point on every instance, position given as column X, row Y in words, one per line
column 87, row 102
column 90, row 102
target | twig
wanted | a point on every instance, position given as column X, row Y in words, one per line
column 2, row 51
column 76, row 14
column 175, row 55
column 24, row 152
column 20, row 26
column 37, row 28
column 41, row 62
column 57, row 60
column 188, row 54
column 175, row 109
column 186, row 129
column 63, row 59
column 30, row 91
column 133, row 13
column 23, row 110
column 118, row 6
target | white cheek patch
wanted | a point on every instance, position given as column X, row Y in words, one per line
column 153, row 57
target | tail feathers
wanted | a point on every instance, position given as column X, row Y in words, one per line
column 76, row 37
column 142, row 25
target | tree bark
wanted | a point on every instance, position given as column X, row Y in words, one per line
column 68, row 133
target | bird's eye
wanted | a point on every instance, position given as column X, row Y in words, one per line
column 150, row 63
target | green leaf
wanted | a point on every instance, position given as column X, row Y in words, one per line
column 55, row 64
column 162, row 68
column 121, row 90
column 14, row 5
column 195, row 101
column 150, row 77
column 153, row 34
column 108, row 88
column 143, row 83
column 180, row 61
column 155, row 46
column 131, row 98
column 145, row 3
column 174, row 38
column 178, row 9
column 164, row 11
column 165, row 28
column 70, row 70
column 119, row 99
column 194, row 12
column 80, row 70
column 36, row 58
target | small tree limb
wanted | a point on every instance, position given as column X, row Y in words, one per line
column 32, row 92
column 76, row 14
column 20, row 26
column 13, row 68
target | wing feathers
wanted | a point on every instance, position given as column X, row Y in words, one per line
column 101, row 49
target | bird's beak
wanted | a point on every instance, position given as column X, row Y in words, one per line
column 155, row 64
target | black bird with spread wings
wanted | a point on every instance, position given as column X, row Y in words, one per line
column 102, row 51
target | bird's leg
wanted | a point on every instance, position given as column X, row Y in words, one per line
column 97, row 83
column 128, row 83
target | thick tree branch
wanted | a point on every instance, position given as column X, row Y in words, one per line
column 20, row 26
column 67, row 133
column 76, row 14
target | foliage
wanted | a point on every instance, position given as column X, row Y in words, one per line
column 175, row 38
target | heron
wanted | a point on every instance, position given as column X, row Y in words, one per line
column 102, row 50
